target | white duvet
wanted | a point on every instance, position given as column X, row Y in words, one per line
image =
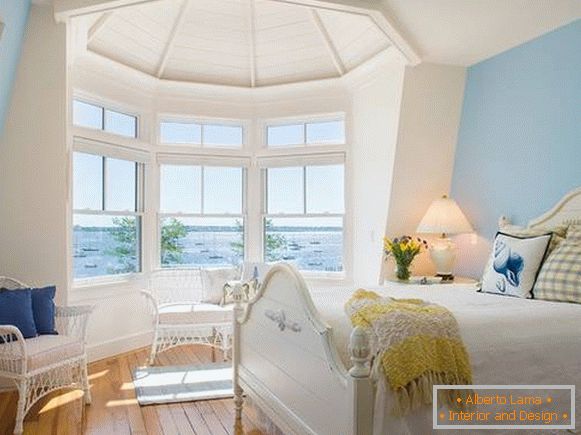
column 510, row 341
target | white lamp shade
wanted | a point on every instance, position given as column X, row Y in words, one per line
column 444, row 217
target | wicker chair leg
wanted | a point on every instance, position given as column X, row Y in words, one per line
column 153, row 352
column 85, row 381
column 21, row 409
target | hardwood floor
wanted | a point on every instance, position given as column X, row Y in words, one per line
column 115, row 409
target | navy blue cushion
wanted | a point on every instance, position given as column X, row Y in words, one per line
column 43, row 309
column 16, row 310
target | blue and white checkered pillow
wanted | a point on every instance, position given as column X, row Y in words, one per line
column 560, row 275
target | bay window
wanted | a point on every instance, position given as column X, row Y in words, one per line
column 201, row 133
column 303, row 220
column 316, row 132
column 97, row 117
column 201, row 219
column 107, row 215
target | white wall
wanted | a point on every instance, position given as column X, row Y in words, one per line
column 428, row 128
column 375, row 118
column 33, row 163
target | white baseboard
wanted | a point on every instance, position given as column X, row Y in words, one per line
column 119, row 345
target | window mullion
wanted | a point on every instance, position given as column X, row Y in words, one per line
column 202, row 185
column 104, row 184
column 304, row 189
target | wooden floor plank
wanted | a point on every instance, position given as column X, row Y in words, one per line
column 115, row 409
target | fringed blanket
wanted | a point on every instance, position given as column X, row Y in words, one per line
column 416, row 344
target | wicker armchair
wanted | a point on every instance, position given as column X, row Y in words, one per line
column 45, row 363
column 180, row 317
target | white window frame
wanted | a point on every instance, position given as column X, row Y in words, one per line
column 104, row 106
column 139, row 213
column 202, row 162
column 203, row 121
column 302, row 120
column 304, row 161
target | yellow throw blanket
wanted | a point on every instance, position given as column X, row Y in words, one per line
column 416, row 344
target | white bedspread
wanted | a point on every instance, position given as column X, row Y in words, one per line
column 510, row 341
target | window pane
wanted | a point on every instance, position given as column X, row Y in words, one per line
column 285, row 190
column 223, row 135
column 181, row 189
column 87, row 181
column 222, row 190
column 121, row 185
column 120, row 123
column 201, row 242
column 326, row 132
column 87, row 115
column 179, row 132
column 325, row 189
column 280, row 135
column 308, row 243
column 106, row 245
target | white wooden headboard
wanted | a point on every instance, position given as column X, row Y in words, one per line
column 567, row 211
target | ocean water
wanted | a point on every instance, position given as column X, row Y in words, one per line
column 315, row 249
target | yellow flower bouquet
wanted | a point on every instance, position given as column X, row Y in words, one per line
column 403, row 250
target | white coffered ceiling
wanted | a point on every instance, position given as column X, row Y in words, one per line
column 253, row 43
column 236, row 42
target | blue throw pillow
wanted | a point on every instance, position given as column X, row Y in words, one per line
column 16, row 310
column 43, row 309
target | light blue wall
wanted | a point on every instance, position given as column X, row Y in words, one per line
column 519, row 144
column 14, row 14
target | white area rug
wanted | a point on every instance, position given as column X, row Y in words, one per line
column 183, row 383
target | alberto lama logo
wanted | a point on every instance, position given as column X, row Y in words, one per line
column 498, row 406
column 478, row 399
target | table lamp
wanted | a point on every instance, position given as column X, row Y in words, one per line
column 444, row 217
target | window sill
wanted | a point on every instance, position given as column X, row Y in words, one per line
column 107, row 281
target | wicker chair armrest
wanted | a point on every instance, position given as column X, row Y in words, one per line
column 72, row 320
column 13, row 349
column 152, row 301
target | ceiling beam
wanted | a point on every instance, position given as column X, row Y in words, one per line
column 378, row 13
column 98, row 25
column 252, row 33
column 65, row 9
column 171, row 40
column 328, row 42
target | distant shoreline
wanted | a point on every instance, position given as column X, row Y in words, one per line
column 198, row 229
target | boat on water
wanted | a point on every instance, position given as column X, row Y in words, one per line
column 315, row 242
column 215, row 257
column 288, row 257
column 90, row 266
column 91, row 249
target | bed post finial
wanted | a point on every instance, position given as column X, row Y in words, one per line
column 359, row 351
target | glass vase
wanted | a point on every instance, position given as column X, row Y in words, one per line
column 402, row 271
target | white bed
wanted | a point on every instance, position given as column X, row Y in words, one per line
column 291, row 352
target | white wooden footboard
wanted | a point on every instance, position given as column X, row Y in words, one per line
column 284, row 359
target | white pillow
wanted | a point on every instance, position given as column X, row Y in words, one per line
column 514, row 264
column 214, row 280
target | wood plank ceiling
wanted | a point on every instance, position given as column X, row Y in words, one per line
column 246, row 43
